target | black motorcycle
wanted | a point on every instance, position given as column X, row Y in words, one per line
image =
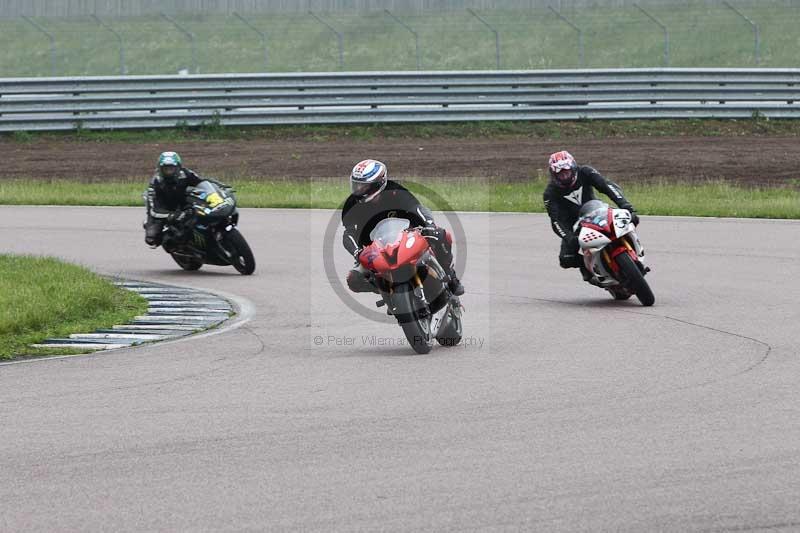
column 205, row 232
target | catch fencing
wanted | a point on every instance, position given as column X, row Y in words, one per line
column 135, row 102
column 127, row 8
column 724, row 35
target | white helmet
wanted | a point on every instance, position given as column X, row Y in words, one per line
column 368, row 179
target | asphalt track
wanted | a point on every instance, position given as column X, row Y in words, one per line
column 564, row 410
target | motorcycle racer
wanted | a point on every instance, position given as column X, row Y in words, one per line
column 165, row 196
column 373, row 198
column 570, row 186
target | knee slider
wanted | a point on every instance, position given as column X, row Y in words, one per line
column 357, row 282
column 568, row 261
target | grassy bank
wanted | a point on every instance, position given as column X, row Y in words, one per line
column 44, row 297
column 704, row 199
column 700, row 36
column 552, row 130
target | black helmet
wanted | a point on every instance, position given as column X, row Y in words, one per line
column 367, row 179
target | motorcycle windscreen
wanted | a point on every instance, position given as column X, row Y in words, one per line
column 389, row 231
column 215, row 200
column 594, row 212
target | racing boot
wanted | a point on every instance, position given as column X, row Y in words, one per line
column 587, row 276
column 454, row 284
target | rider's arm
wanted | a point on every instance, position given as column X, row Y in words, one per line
column 607, row 187
column 407, row 202
column 155, row 207
column 349, row 239
column 551, row 205
column 425, row 214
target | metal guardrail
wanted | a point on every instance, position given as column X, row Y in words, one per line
column 30, row 104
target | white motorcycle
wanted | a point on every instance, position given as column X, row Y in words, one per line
column 612, row 252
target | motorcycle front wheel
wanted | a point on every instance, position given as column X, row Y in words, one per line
column 418, row 334
column 417, row 329
column 242, row 260
column 634, row 280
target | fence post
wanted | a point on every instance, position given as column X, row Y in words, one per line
column 756, row 31
column 122, row 69
column 339, row 37
column 496, row 37
column 414, row 33
column 52, row 42
column 260, row 33
column 581, row 54
column 188, row 34
column 663, row 27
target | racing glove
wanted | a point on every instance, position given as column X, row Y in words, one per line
column 431, row 231
column 182, row 216
column 634, row 216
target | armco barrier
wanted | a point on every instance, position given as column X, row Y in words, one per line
column 43, row 104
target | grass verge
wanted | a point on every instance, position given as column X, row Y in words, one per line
column 43, row 297
column 714, row 199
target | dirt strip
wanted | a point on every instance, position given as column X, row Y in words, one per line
column 744, row 160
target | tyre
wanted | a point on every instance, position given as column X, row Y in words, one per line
column 418, row 334
column 634, row 280
column 451, row 334
column 187, row 263
column 619, row 293
column 416, row 328
column 243, row 259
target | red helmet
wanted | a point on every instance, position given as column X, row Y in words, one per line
column 563, row 169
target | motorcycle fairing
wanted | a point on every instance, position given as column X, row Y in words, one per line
column 386, row 255
column 610, row 232
column 212, row 207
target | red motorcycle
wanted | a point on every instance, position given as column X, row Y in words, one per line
column 612, row 252
column 413, row 285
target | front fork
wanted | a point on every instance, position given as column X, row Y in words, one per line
column 630, row 245
column 219, row 235
column 435, row 270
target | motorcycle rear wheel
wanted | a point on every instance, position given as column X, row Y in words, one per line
column 634, row 280
column 243, row 260
column 451, row 334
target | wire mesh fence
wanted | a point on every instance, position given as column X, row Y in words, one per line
column 120, row 8
column 645, row 36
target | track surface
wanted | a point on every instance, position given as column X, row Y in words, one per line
column 576, row 412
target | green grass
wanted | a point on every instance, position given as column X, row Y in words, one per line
column 700, row 36
column 704, row 199
column 42, row 297
column 583, row 129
